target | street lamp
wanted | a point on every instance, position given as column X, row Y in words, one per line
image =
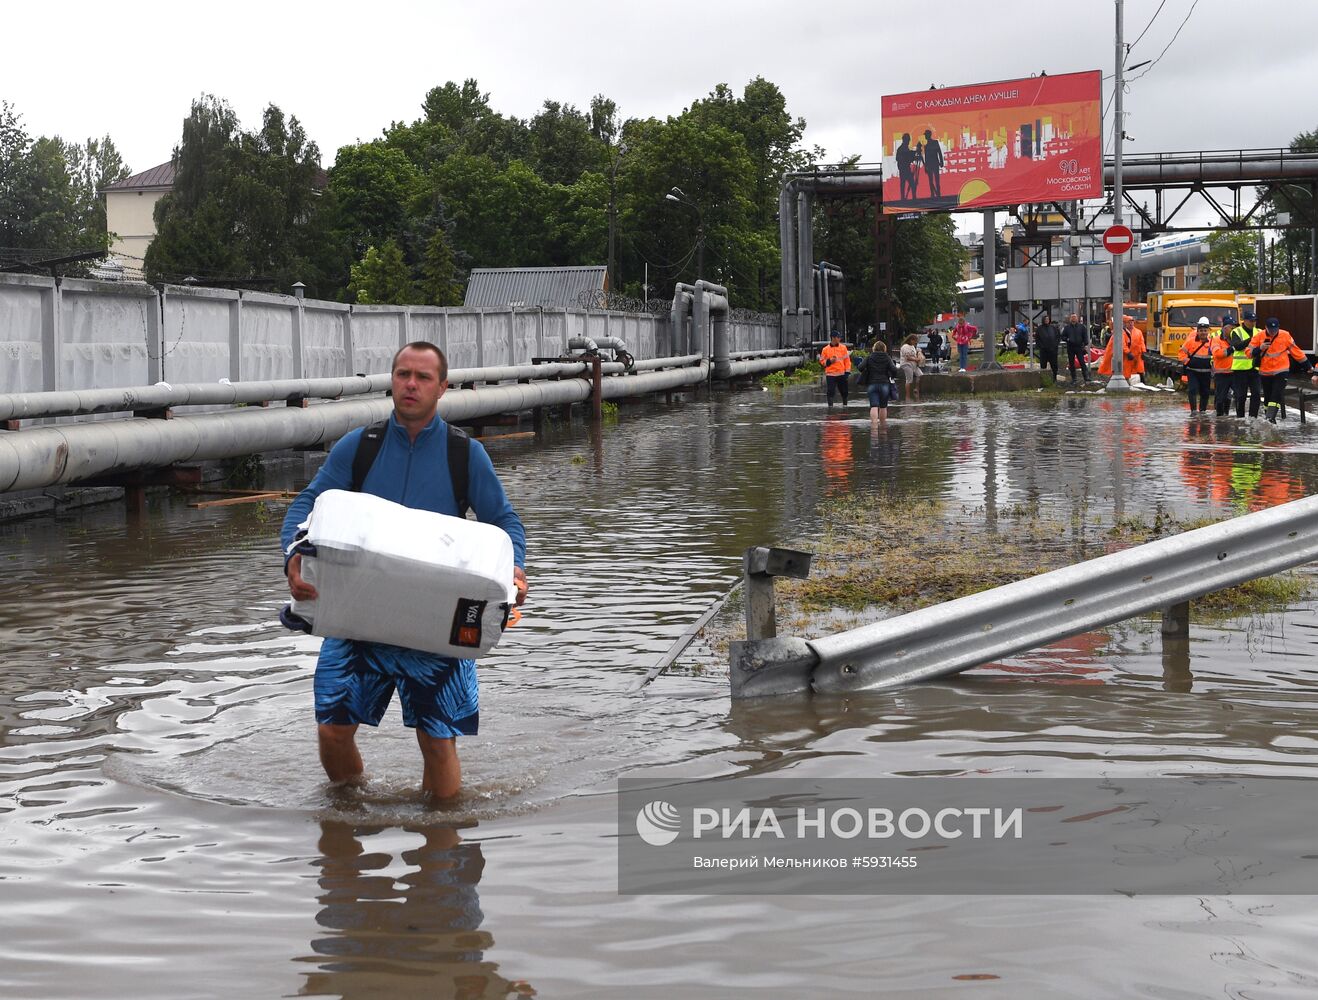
column 618, row 152
column 680, row 196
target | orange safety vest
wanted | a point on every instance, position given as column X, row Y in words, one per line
column 1199, row 349
column 1221, row 352
column 1277, row 352
column 1133, row 364
column 836, row 360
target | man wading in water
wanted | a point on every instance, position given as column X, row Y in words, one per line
column 355, row 680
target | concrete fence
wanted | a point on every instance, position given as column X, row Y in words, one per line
column 68, row 333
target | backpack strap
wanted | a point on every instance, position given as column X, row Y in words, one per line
column 368, row 447
column 459, row 453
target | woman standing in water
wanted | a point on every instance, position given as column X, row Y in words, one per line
column 877, row 374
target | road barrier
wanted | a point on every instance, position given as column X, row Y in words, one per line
column 970, row 631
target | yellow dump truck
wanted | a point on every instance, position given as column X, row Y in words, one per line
column 1173, row 315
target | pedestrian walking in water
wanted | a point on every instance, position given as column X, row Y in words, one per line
column 912, row 359
column 1196, row 355
column 356, row 680
column 876, row 373
column 1076, row 337
column 1245, row 379
column 836, row 360
column 1223, row 381
column 1278, row 350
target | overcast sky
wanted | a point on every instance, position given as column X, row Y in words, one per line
column 1237, row 76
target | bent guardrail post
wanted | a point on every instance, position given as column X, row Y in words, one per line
column 764, row 664
column 970, row 631
column 761, row 565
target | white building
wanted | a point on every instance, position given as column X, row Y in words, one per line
column 130, row 212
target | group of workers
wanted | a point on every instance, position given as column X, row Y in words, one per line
column 1242, row 361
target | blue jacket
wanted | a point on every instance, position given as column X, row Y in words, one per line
column 415, row 475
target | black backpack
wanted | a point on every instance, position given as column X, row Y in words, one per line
column 459, row 450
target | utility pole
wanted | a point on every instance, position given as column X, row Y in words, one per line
column 1118, row 379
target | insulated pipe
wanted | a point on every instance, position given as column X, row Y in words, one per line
column 79, row 402
column 755, row 367
column 827, row 271
column 582, row 344
column 683, row 301
column 787, row 243
column 714, row 300
column 47, row 456
column 1214, row 168
column 805, row 254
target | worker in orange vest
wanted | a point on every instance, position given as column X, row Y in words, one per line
column 836, row 360
column 1274, row 349
column 1196, row 355
column 1133, row 344
column 1220, row 349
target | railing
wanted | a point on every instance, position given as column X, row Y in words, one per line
column 1027, row 614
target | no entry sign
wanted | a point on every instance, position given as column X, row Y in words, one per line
column 1117, row 239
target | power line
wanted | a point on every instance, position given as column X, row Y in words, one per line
column 1147, row 26
column 1169, row 44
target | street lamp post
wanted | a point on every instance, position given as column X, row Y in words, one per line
column 681, row 197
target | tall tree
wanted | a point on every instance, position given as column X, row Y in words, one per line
column 1232, row 262
column 382, row 277
column 50, row 189
column 563, row 145
column 1295, row 246
column 246, row 207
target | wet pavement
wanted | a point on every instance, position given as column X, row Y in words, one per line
column 167, row 831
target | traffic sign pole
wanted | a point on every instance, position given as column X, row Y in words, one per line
column 1118, row 380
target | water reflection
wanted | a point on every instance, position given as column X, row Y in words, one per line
column 403, row 924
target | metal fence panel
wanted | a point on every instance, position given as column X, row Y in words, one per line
column 195, row 337
column 21, row 349
column 267, row 337
column 375, row 338
column 322, row 339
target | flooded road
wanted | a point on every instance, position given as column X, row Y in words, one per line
column 167, row 831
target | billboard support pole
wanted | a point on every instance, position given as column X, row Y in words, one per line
column 990, row 269
column 1118, row 379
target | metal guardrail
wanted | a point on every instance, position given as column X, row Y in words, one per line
column 1027, row 614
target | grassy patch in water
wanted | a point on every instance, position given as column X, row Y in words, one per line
column 1268, row 595
column 805, row 375
column 872, row 553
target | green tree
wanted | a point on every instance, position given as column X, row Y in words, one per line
column 376, row 188
column 1295, row 246
column 50, row 190
column 441, row 280
column 1232, row 262
column 246, row 207
column 709, row 164
column 926, row 263
column 382, row 277
column 563, row 146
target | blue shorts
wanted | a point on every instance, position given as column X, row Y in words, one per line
column 355, row 682
column 880, row 393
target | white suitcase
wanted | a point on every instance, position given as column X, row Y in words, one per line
column 389, row 573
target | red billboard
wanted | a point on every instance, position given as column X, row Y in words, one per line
column 991, row 144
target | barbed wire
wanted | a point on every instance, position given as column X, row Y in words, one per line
column 751, row 316
column 599, row 298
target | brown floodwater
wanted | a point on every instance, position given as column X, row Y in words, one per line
column 168, row 833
